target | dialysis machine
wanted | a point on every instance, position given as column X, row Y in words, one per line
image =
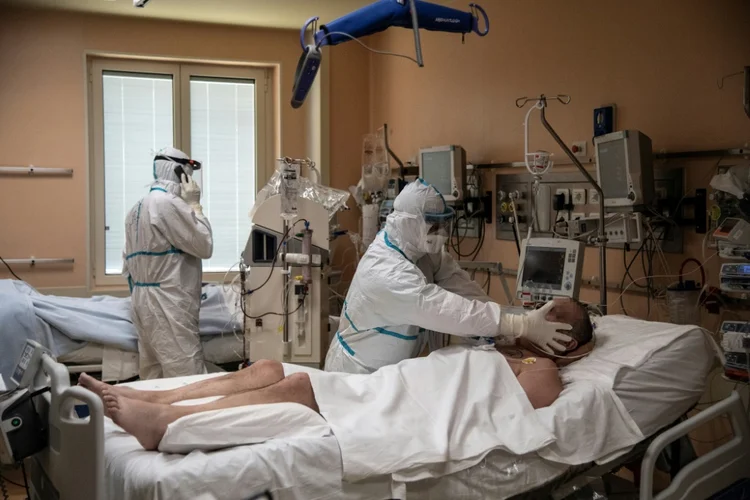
column 285, row 292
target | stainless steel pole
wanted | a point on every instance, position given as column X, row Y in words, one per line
column 602, row 239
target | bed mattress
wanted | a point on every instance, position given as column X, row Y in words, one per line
column 655, row 392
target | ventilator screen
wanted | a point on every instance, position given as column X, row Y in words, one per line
column 544, row 267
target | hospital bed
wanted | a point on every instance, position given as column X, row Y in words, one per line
column 96, row 334
column 657, row 372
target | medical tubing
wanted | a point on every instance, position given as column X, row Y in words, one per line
column 285, row 281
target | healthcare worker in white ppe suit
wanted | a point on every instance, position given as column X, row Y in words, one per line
column 407, row 285
column 166, row 236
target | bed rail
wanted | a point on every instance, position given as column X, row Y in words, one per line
column 710, row 473
column 74, row 460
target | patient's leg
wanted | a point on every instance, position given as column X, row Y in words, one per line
column 148, row 421
column 260, row 374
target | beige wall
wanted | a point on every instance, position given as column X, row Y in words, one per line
column 658, row 61
column 43, row 115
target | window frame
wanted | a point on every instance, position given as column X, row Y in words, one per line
column 180, row 71
column 262, row 133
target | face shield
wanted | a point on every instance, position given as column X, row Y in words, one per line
column 437, row 230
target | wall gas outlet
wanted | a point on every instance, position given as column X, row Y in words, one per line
column 593, row 196
column 579, row 148
column 579, row 196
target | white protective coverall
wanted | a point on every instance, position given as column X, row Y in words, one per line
column 166, row 238
column 407, row 284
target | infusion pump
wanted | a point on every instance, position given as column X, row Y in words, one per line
column 549, row 268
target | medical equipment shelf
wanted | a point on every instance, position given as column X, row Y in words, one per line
column 33, row 170
column 668, row 181
column 710, row 153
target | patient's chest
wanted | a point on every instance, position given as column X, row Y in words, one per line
column 520, row 360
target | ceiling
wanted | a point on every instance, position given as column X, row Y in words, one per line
column 265, row 13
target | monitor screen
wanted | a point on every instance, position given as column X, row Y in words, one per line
column 613, row 169
column 436, row 170
column 543, row 267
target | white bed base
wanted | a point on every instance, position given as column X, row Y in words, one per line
column 72, row 467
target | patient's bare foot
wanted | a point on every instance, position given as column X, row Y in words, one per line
column 98, row 387
column 146, row 421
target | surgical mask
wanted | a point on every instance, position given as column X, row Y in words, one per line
column 434, row 244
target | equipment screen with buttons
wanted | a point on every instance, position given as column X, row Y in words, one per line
column 550, row 268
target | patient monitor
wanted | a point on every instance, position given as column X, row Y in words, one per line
column 549, row 268
column 445, row 168
column 624, row 170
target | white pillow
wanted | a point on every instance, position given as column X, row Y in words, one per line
column 243, row 425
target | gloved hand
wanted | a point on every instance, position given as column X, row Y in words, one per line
column 535, row 327
column 191, row 193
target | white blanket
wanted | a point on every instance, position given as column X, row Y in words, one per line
column 450, row 408
column 422, row 418
column 589, row 421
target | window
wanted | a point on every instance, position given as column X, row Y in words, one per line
column 216, row 114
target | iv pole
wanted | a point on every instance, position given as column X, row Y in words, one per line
column 601, row 240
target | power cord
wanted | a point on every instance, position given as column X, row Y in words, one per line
column 276, row 256
column 242, row 306
column 11, row 270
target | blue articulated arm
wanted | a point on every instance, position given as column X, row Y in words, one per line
column 375, row 18
column 383, row 14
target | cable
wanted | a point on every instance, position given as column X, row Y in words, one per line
column 11, row 270
column 275, row 313
column 374, row 51
column 661, row 276
column 23, row 467
column 276, row 255
column 3, row 489
column 3, row 478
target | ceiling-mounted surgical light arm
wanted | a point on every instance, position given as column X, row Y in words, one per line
column 374, row 18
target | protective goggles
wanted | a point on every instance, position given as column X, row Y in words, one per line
column 194, row 164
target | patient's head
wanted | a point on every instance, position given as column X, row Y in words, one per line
column 576, row 315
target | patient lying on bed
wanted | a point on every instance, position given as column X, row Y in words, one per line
column 146, row 414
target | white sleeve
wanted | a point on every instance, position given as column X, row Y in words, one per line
column 183, row 228
column 454, row 279
column 406, row 299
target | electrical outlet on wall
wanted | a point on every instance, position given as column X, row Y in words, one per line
column 565, row 193
column 593, row 196
column 579, row 197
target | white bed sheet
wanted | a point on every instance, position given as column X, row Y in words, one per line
column 311, row 468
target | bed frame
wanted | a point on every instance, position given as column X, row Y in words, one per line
column 72, row 466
